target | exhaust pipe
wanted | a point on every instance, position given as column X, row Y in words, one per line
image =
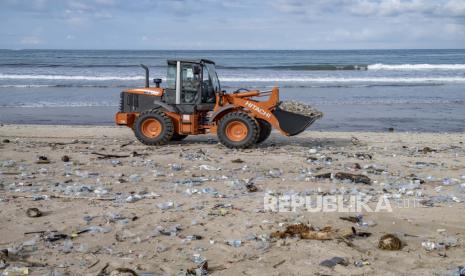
column 146, row 75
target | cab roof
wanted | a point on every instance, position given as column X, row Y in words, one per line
column 171, row 61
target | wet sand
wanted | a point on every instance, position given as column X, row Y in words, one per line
column 145, row 210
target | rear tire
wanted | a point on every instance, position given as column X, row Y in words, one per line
column 238, row 130
column 154, row 127
column 265, row 130
column 178, row 137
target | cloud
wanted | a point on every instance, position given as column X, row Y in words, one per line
column 455, row 29
column 441, row 8
column 454, row 7
column 233, row 24
column 373, row 7
column 30, row 40
column 391, row 7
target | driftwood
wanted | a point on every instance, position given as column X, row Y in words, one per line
column 278, row 264
column 126, row 144
column 68, row 197
column 63, row 143
column 304, row 232
column 83, row 197
column 357, row 178
column 107, row 156
column 103, row 271
column 39, row 232
column 93, row 264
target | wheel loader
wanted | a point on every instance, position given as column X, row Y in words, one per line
column 193, row 103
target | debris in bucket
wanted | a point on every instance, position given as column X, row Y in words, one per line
column 300, row 108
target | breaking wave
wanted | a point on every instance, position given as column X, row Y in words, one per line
column 348, row 80
column 49, row 65
column 408, row 67
column 320, row 102
column 302, row 67
column 64, row 77
column 290, row 67
column 60, row 104
column 296, row 79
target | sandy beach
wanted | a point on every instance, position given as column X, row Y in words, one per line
column 164, row 210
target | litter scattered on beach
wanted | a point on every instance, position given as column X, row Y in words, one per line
column 197, row 207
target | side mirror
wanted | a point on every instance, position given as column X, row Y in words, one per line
column 196, row 69
column 157, row 82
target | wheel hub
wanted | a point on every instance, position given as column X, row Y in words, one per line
column 151, row 128
column 236, row 131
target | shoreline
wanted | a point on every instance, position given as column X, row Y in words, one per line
column 419, row 109
column 11, row 130
column 362, row 119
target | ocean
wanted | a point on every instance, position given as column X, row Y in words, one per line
column 358, row 90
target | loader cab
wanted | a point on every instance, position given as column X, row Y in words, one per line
column 191, row 85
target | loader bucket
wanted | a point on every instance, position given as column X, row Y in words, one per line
column 292, row 123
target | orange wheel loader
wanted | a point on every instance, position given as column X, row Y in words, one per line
column 192, row 103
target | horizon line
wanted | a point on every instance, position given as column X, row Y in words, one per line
column 193, row 50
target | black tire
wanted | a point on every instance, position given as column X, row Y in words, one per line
column 265, row 130
column 178, row 137
column 167, row 128
column 252, row 130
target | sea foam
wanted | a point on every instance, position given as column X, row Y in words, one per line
column 408, row 67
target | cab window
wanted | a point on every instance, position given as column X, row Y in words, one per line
column 171, row 77
column 213, row 77
column 189, row 84
column 208, row 93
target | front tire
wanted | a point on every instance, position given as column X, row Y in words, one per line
column 154, row 127
column 238, row 130
column 265, row 130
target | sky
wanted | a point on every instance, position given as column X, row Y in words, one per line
column 232, row 24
